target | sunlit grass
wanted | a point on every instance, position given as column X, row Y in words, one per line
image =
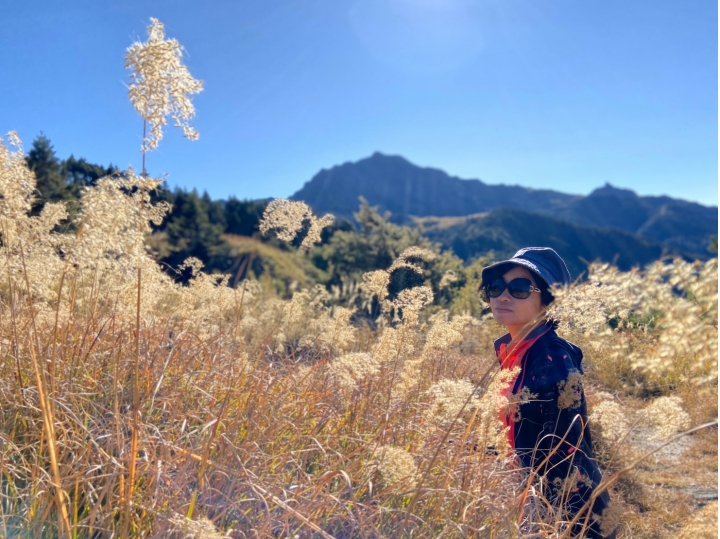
column 134, row 406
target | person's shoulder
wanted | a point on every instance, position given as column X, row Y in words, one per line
column 555, row 353
column 552, row 342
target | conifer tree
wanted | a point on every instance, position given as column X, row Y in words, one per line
column 51, row 185
column 80, row 173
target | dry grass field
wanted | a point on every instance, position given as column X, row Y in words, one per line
column 134, row 406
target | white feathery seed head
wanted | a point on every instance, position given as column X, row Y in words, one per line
column 375, row 283
column 288, row 217
column 396, row 466
column 451, row 398
column 350, row 369
column 161, row 85
column 667, row 416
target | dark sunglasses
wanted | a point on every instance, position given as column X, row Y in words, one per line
column 519, row 288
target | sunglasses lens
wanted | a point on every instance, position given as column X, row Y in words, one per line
column 495, row 289
column 519, row 288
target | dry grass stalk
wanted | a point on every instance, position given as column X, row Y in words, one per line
column 48, row 416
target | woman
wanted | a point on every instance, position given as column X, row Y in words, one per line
column 548, row 430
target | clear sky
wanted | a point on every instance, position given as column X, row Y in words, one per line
column 557, row 94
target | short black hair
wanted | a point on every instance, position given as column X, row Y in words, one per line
column 546, row 297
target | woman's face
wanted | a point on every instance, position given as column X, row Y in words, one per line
column 512, row 312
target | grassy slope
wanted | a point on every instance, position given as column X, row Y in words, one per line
column 282, row 267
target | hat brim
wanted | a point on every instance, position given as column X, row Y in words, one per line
column 497, row 268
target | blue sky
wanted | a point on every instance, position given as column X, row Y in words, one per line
column 561, row 94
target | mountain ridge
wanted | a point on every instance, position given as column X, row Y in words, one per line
column 394, row 184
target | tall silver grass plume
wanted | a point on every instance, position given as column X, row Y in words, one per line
column 288, row 217
column 161, row 85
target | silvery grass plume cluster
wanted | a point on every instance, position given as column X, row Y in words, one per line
column 287, row 218
column 671, row 307
column 160, row 86
column 134, row 406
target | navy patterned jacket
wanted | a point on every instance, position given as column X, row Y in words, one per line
column 551, row 370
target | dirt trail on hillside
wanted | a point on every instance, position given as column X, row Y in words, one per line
column 673, row 493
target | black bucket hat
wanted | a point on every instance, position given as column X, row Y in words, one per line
column 542, row 261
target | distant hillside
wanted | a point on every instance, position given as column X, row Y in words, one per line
column 395, row 184
column 505, row 230
column 683, row 225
